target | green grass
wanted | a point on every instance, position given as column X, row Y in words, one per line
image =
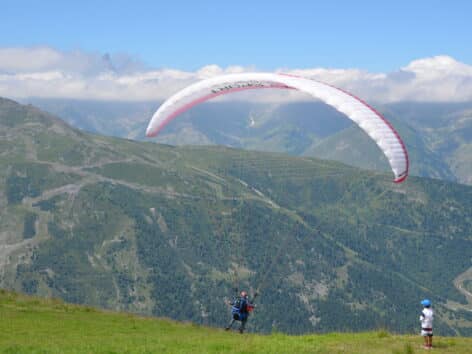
column 32, row 325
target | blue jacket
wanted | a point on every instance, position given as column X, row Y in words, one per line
column 242, row 310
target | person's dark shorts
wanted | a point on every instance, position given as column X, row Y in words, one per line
column 426, row 332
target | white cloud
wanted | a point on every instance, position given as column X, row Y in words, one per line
column 17, row 60
column 46, row 72
column 436, row 79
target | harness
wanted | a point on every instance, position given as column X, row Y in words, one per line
column 240, row 309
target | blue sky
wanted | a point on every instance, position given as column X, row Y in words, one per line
column 371, row 35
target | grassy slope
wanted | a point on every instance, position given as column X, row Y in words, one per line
column 50, row 326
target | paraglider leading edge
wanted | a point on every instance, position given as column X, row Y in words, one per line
column 365, row 116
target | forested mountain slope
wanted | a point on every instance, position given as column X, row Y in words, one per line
column 170, row 231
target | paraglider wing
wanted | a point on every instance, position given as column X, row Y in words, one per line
column 366, row 117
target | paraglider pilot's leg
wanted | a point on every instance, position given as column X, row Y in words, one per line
column 243, row 324
column 230, row 324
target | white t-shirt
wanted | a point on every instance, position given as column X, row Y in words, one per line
column 426, row 318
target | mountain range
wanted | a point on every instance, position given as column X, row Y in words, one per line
column 173, row 230
column 438, row 135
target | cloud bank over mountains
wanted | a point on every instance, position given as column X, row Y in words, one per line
column 50, row 73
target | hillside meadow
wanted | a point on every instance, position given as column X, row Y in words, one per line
column 35, row 325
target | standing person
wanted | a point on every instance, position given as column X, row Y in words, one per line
column 240, row 309
column 426, row 319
